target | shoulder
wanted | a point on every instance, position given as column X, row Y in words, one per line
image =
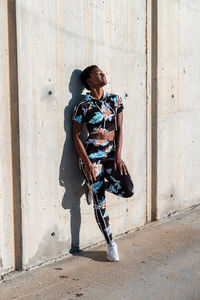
column 115, row 99
column 81, row 108
column 82, row 104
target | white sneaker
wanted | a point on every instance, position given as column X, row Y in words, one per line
column 89, row 196
column 112, row 252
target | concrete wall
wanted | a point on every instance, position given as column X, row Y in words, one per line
column 7, row 262
column 55, row 40
column 145, row 48
column 178, row 105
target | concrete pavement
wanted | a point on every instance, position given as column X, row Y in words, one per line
column 161, row 261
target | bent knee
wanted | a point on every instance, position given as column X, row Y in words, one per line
column 129, row 192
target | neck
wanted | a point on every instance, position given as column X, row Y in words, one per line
column 97, row 93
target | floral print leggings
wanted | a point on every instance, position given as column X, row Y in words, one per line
column 101, row 153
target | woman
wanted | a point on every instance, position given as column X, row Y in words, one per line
column 100, row 155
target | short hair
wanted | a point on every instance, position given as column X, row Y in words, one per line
column 86, row 74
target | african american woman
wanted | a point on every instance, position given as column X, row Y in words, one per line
column 100, row 155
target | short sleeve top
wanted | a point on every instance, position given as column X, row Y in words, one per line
column 98, row 115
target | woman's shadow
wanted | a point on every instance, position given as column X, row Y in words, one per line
column 70, row 175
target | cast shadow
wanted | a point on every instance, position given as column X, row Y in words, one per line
column 70, row 176
column 94, row 255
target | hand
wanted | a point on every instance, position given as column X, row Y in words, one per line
column 90, row 172
column 118, row 162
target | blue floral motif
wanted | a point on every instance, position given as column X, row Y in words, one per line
column 117, row 100
column 106, row 112
column 78, row 118
column 99, row 129
column 100, row 153
column 105, row 214
column 101, row 144
column 114, row 188
column 96, row 186
column 117, row 185
column 109, row 117
column 87, row 97
column 99, row 169
column 93, row 105
column 102, row 200
column 97, row 118
column 109, row 149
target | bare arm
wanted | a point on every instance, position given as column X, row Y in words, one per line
column 88, row 167
column 118, row 141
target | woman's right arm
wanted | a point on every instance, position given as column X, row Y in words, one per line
column 88, row 166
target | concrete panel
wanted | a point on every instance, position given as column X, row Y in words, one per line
column 178, row 105
column 6, row 193
column 55, row 40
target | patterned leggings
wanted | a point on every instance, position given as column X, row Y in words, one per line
column 101, row 154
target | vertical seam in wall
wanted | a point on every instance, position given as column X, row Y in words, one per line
column 15, row 137
column 154, row 95
column 147, row 111
column 148, row 53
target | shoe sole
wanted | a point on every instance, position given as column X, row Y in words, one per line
column 113, row 260
column 88, row 200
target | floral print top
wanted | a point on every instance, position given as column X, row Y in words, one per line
column 98, row 115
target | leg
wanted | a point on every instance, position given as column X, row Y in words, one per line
column 98, row 189
column 99, row 202
column 117, row 184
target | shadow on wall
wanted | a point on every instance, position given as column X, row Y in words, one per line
column 70, row 175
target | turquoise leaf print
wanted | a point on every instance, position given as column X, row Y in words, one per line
column 98, row 117
column 114, row 188
column 98, row 168
column 117, row 100
column 98, row 154
column 117, row 186
column 108, row 150
column 96, row 186
column 88, row 97
column 78, row 118
column 99, row 129
column 102, row 200
column 109, row 117
column 105, row 214
column 99, row 142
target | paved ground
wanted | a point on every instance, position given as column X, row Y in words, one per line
column 159, row 262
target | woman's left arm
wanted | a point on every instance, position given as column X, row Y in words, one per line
column 118, row 162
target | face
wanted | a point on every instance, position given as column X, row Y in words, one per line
column 97, row 78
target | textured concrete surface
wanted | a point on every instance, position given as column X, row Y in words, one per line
column 160, row 262
column 150, row 53
column 56, row 40
column 39, row 75
column 6, row 181
column 178, row 120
